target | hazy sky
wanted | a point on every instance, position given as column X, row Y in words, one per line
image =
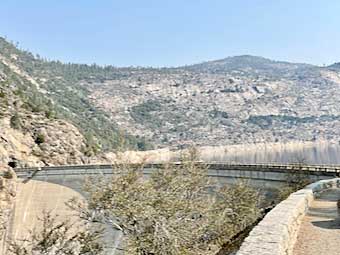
column 174, row 32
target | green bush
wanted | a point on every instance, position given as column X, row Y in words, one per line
column 177, row 210
column 49, row 114
column 39, row 139
column 92, row 147
column 142, row 113
column 143, row 145
column 15, row 121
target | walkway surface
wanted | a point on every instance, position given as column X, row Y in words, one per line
column 320, row 230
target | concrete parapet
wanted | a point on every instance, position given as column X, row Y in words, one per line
column 276, row 234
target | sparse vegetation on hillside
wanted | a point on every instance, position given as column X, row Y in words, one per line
column 61, row 96
column 142, row 113
column 267, row 121
column 242, row 99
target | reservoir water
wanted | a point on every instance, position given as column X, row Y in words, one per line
column 297, row 152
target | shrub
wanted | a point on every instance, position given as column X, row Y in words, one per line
column 295, row 179
column 177, row 210
column 49, row 114
column 15, row 121
column 92, row 147
column 39, row 138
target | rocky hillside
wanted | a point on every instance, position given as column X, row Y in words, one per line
column 230, row 101
column 45, row 114
column 335, row 67
column 31, row 136
column 59, row 91
column 242, row 99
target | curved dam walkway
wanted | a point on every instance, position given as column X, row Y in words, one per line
column 320, row 228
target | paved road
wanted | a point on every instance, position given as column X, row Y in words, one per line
column 320, row 230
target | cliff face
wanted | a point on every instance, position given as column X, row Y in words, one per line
column 30, row 134
column 55, row 90
column 42, row 142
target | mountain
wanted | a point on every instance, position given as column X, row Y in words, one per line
column 235, row 100
column 335, row 66
column 46, row 116
column 251, row 65
column 242, row 99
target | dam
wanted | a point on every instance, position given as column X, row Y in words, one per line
column 259, row 175
column 67, row 181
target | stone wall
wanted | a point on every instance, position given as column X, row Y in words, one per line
column 277, row 232
column 7, row 199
